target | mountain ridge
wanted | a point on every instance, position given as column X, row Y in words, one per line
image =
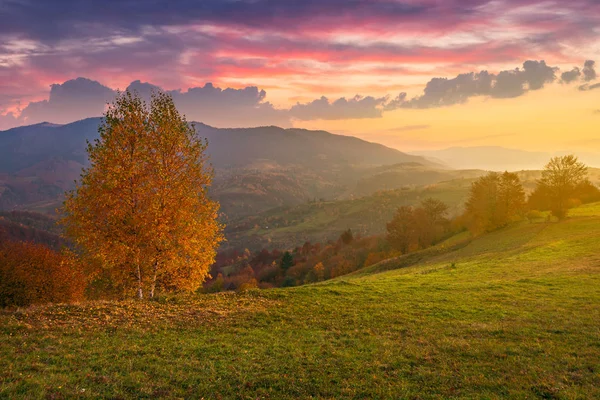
column 255, row 168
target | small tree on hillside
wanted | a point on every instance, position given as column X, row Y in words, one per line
column 347, row 237
column 401, row 229
column 430, row 221
column 319, row 271
column 287, row 261
column 511, row 196
column 141, row 208
column 560, row 179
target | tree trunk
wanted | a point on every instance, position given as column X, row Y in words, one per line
column 140, row 289
column 153, row 283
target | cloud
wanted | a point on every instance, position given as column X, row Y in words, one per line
column 63, row 19
column 589, row 73
column 283, row 45
column 8, row 120
column 230, row 107
column 441, row 92
column 587, row 87
column 357, row 107
column 221, row 107
column 57, row 20
column 83, row 98
column 570, row 76
column 73, row 100
column 245, row 107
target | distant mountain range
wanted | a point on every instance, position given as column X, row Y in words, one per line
column 496, row 158
column 255, row 168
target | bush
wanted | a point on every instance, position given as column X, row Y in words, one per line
column 533, row 215
column 251, row 284
column 34, row 274
column 288, row 282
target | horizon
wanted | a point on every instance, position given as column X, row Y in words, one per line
column 451, row 157
column 487, row 75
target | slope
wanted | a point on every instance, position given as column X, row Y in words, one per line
column 267, row 166
column 513, row 314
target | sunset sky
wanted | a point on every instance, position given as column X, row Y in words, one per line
column 366, row 68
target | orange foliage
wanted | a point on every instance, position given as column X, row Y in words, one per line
column 142, row 209
column 251, row 284
column 375, row 257
column 319, row 271
column 33, row 274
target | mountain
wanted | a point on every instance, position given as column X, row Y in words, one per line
column 255, row 168
column 499, row 158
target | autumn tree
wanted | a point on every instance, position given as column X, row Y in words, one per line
column 401, row 229
column 511, row 196
column 561, row 179
column 430, row 222
column 141, row 209
column 494, row 201
column 587, row 192
column 418, row 227
column 319, row 271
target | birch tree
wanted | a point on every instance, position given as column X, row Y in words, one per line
column 141, row 209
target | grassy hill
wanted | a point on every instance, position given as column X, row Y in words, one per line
column 512, row 314
column 319, row 221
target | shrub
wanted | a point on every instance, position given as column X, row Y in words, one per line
column 34, row 274
column 533, row 215
column 251, row 284
column 288, row 282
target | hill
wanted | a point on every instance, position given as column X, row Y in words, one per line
column 320, row 221
column 366, row 214
column 511, row 314
column 30, row 226
column 266, row 167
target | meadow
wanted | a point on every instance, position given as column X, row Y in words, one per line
column 510, row 314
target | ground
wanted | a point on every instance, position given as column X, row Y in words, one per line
column 512, row 314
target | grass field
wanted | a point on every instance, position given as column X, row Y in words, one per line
column 512, row 314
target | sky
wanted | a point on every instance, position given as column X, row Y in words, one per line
column 411, row 74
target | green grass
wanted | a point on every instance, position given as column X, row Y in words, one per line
column 512, row 314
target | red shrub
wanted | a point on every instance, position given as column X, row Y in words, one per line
column 33, row 273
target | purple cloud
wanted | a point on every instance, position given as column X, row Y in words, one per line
column 73, row 100
column 83, row 98
column 342, row 108
column 441, row 92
